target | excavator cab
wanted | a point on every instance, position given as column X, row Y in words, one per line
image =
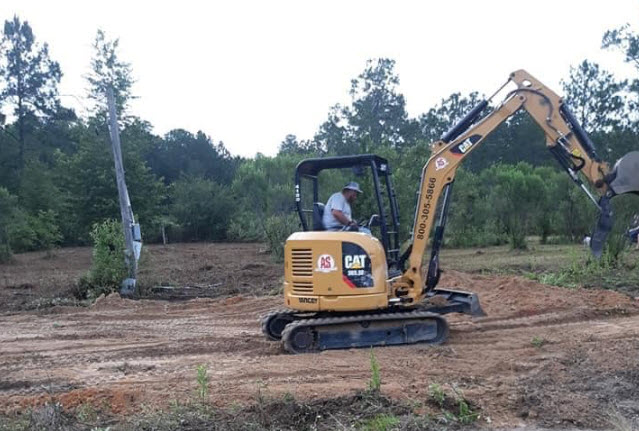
column 384, row 222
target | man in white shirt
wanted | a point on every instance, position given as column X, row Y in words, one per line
column 337, row 212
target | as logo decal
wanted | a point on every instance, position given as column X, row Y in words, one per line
column 440, row 163
column 326, row 263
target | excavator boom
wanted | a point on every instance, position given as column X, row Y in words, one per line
column 566, row 140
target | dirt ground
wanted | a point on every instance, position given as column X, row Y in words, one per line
column 543, row 355
column 176, row 271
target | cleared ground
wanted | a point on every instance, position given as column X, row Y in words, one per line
column 544, row 355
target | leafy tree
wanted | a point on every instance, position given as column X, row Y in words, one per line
column 107, row 70
column 203, row 208
column 334, row 135
column 8, row 207
column 290, row 145
column 625, row 40
column 470, row 216
column 378, row 114
column 516, row 193
column 38, row 190
column 439, row 119
column 574, row 213
column 91, row 190
column 595, row 97
column 182, row 153
column 29, row 78
column 518, row 139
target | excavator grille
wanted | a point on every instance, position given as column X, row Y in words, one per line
column 303, row 287
column 302, row 262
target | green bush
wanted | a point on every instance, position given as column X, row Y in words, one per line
column 246, row 227
column 202, row 208
column 108, row 268
column 46, row 231
column 8, row 217
column 476, row 237
column 277, row 230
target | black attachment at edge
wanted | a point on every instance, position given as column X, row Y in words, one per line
column 603, row 227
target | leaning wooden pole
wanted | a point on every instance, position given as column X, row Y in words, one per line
column 131, row 230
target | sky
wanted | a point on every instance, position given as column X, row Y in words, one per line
column 250, row 72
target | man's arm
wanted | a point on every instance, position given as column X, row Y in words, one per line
column 339, row 215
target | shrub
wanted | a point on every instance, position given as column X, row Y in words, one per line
column 375, row 383
column 8, row 219
column 277, row 230
column 108, row 268
column 246, row 227
column 202, row 379
column 202, row 208
column 45, row 229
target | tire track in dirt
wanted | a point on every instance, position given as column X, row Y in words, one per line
column 129, row 353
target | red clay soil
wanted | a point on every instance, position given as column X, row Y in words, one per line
column 543, row 355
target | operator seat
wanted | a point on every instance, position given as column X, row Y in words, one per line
column 318, row 215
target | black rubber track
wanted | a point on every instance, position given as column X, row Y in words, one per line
column 301, row 336
column 271, row 328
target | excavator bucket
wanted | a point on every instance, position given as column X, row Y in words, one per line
column 626, row 174
column 624, row 179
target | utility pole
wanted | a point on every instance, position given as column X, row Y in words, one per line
column 132, row 236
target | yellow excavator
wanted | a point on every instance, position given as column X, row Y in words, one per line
column 350, row 289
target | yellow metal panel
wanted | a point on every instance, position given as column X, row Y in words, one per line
column 313, row 269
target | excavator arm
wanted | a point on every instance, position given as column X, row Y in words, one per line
column 566, row 140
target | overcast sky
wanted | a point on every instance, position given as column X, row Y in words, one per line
column 250, row 72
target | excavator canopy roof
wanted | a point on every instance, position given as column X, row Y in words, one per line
column 311, row 167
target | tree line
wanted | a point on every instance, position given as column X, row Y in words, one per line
column 57, row 178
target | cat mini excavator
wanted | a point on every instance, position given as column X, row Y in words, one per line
column 350, row 289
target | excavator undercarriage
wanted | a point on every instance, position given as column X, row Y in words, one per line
column 311, row 332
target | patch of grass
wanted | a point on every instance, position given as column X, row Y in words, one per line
column 85, row 412
column 436, row 393
column 538, row 342
column 504, row 260
column 610, row 272
column 381, row 422
column 14, row 423
column 363, row 411
column 375, row 382
column 455, row 408
column 466, row 415
column 202, row 382
column 564, row 265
